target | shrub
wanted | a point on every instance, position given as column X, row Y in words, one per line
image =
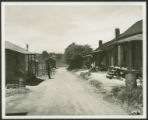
column 116, row 90
column 85, row 75
column 95, row 83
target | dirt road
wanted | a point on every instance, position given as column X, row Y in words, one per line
column 66, row 94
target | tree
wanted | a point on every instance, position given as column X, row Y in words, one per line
column 73, row 54
column 43, row 55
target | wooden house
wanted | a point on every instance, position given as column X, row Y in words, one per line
column 87, row 61
column 125, row 52
column 101, row 55
column 121, row 54
column 20, row 63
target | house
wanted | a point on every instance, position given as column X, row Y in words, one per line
column 20, row 63
column 101, row 55
column 126, row 50
column 87, row 61
column 121, row 54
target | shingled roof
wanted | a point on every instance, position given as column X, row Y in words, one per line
column 13, row 47
column 104, row 46
column 135, row 29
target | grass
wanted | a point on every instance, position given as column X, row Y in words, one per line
column 131, row 99
column 95, row 83
column 14, row 91
column 85, row 75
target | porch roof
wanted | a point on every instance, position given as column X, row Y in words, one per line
column 136, row 28
column 87, row 56
column 137, row 37
column 97, row 51
column 46, row 59
column 13, row 47
column 103, row 47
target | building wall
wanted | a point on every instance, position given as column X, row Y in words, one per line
column 113, row 56
column 137, row 55
column 42, row 70
column 101, row 59
column 15, row 66
column 123, row 54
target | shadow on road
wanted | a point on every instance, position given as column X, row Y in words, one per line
column 34, row 81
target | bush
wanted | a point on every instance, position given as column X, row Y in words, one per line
column 85, row 75
column 95, row 83
column 116, row 90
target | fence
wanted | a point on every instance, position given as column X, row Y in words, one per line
column 42, row 69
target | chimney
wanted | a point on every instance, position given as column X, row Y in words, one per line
column 27, row 46
column 117, row 32
column 100, row 43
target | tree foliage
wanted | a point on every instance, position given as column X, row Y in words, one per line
column 73, row 54
column 44, row 55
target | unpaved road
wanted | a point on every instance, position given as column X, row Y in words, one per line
column 66, row 94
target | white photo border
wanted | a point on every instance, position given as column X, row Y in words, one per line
column 143, row 4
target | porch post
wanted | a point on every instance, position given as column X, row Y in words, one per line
column 31, row 65
column 42, row 68
column 35, row 64
column 130, row 56
column 37, row 69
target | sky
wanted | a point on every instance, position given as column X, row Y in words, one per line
column 54, row 27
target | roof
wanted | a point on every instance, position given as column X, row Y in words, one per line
column 50, row 58
column 129, row 34
column 46, row 59
column 87, row 56
column 104, row 46
column 134, row 29
column 97, row 51
column 13, row 47
column 137, row 37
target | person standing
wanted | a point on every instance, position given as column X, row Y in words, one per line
column 49, row 71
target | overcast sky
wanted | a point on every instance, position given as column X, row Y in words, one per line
column 54, row 27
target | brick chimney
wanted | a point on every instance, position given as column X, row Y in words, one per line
column 100, row 43
column 117, row 32
column 27, row 47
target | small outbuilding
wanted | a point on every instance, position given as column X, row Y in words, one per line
column 19, row 62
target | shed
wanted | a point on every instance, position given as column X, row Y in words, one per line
column 51, row 62
column 19, row 63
